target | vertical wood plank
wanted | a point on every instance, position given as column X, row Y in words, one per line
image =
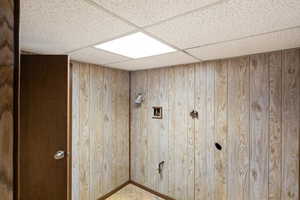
column 275, row 130
column 115, row 157
column 201, row 169
column 242, row 111
column 108, row 153
column 259, row 130
column 238, row 128
column 139, row 119
column 100, row 130
column 290, row 124
column 7, row 33
column 190, row 173
column 84, row 135
column 75, row 131
column 248, row 121
column 123, row 121
column 164, row 133
column 6, row 97
column 96, row 131
column 171, row 161
column 158, row 130
column 208, row 163
column 221, row 127
column 210, row 137
column 153, row 130
column 121, row 126
column 181, row 135
column 92, row 135
column 6, row 132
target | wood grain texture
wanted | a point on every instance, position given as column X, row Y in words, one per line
column 121, row 110
column 290, row 124
column 158, row 134
column 97, row 133
column 84, row 132
column 181, row 135
column 205, row 130
column 6, row 32
column 221, row 130
column 210, row 137
column 275, row 125
column 211, row 128
column 202, row 186
column 108, row 131
column 6, row 97
column 43, row 126
column 139, row 136
column 115, row 110
column 169, row 139
column 249, row 105
column 101, row 116
column 259, row 127
column 238, row 128
column 6, row 132
column 75, row 131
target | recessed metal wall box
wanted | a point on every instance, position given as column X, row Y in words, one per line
column 157, row 112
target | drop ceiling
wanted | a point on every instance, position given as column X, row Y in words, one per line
column 199, row 29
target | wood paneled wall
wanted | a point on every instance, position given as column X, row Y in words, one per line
column 249, row 105
column 157, row 140
column 6, row 98
column 100, row 125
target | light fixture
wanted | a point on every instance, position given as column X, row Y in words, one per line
column 136, row 45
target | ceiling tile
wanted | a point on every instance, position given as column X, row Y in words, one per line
column 258, row 44
column 146, row 12
column 229, row 20
column 96, row 56
column 174, row 58
column 59, row 26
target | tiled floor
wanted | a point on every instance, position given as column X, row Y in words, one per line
column 132, row 192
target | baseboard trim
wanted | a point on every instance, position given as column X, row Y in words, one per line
column 138, row 185
column 114, row 191
column 151, row 191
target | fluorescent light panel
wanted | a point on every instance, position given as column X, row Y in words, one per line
column 137, row 45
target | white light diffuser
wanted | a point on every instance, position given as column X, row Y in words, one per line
column 137, row 45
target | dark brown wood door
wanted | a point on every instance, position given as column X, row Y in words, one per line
column 44, row 127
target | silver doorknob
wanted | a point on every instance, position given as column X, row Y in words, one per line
column 59, row 155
